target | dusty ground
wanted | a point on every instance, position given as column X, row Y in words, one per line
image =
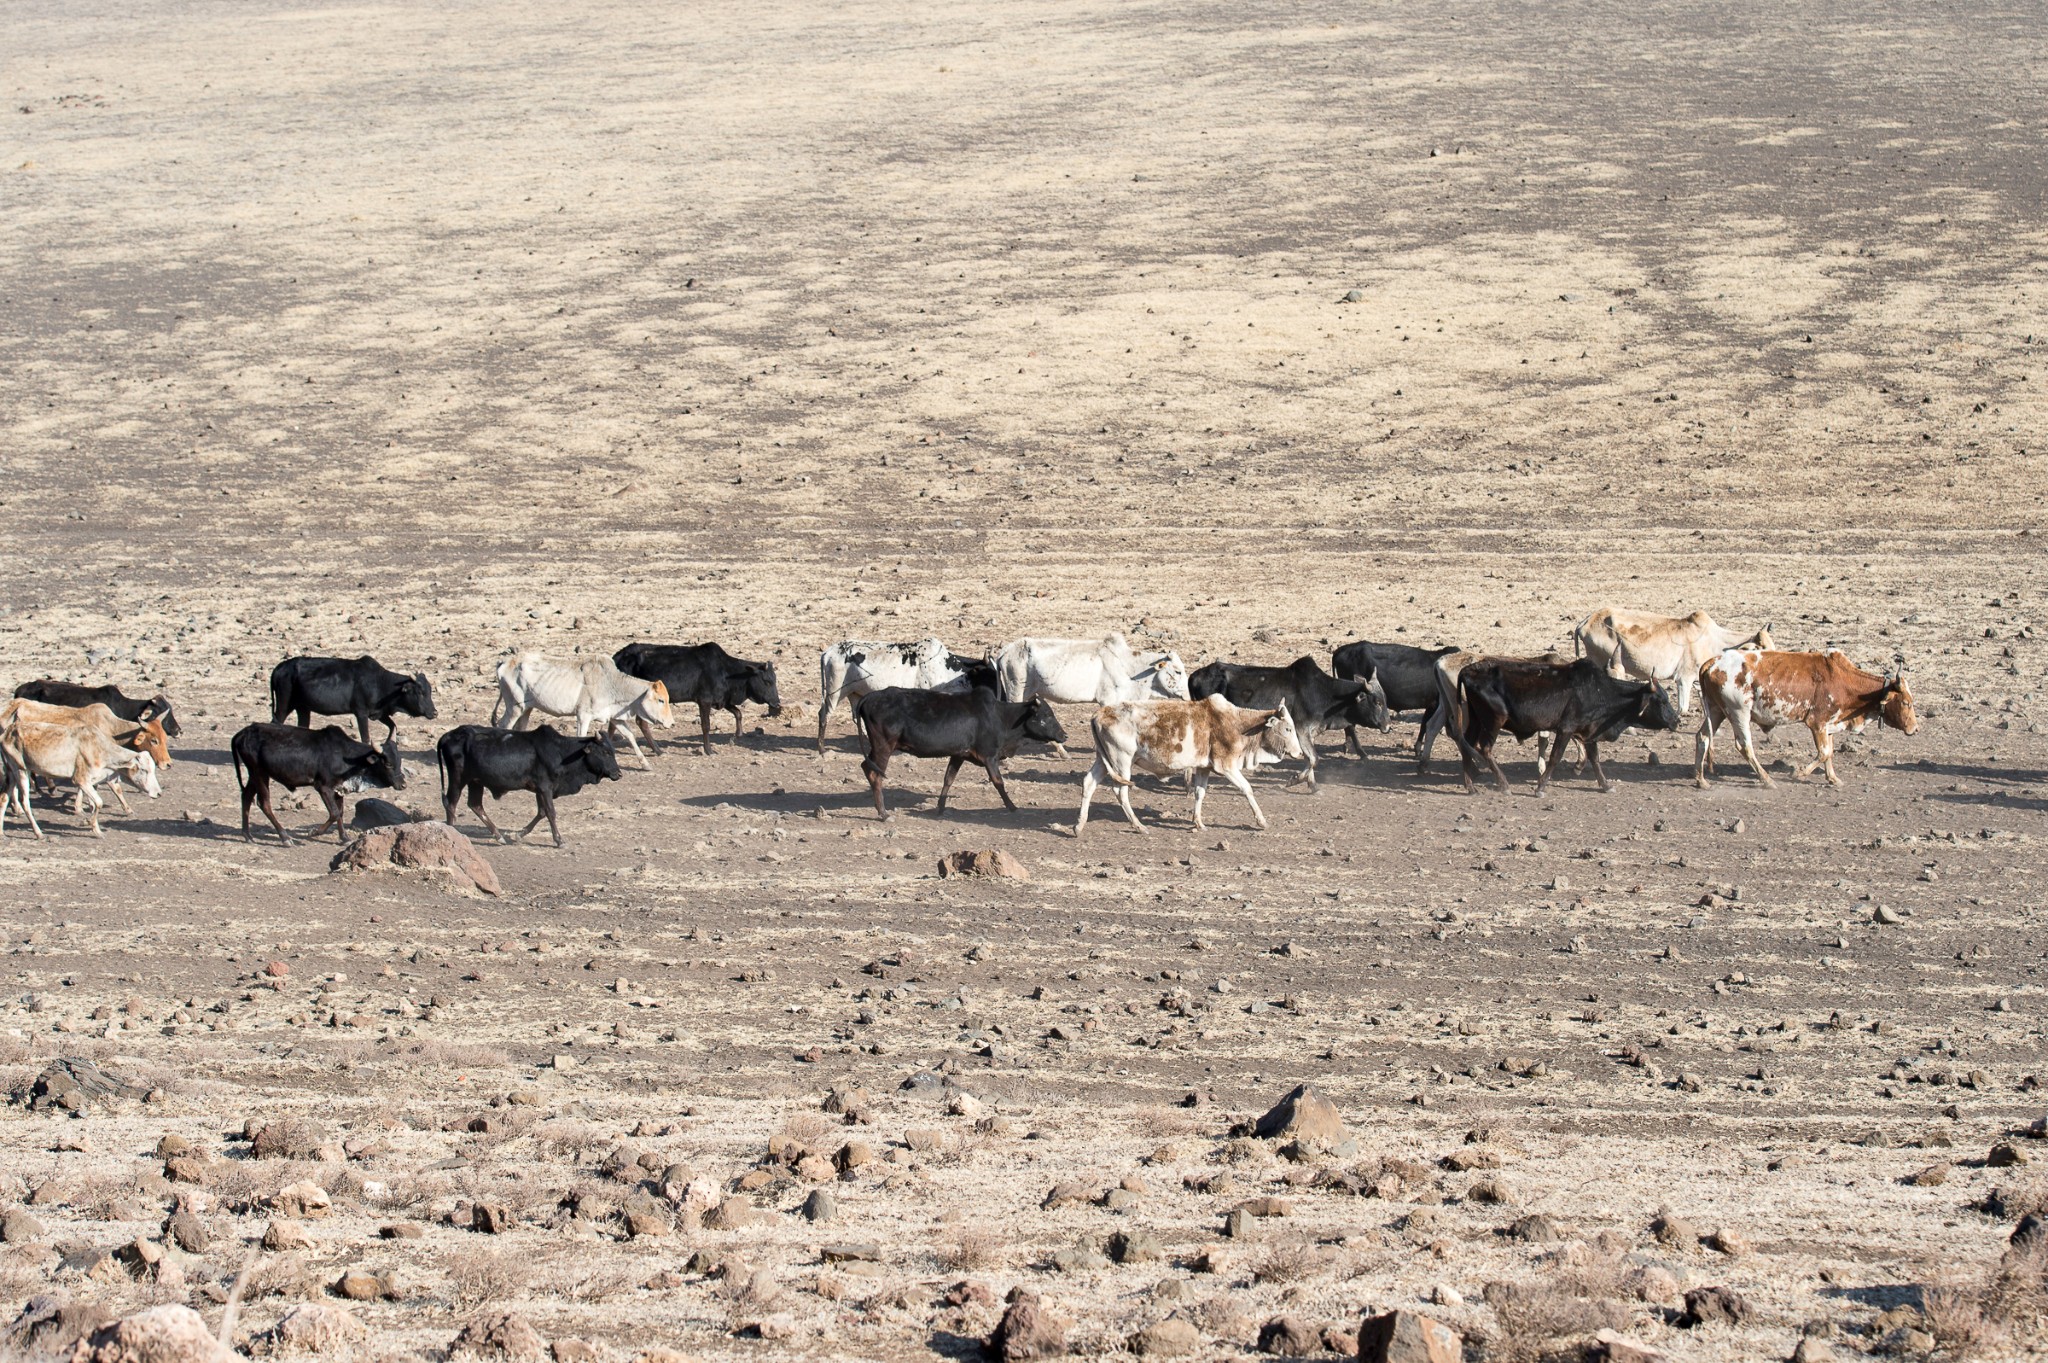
column 435, row 331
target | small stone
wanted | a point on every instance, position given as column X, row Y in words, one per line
column 1713, row 1306
column 1078, row 1259
column 491, row 1218
column 1290, row 1337
column 1933, row 1176
column 641, row 1224
column 161, row 1334
column 400, row 1230
column 2005, row 1155
column 304, row 1200
column 1811, row 1350
column 1725, row 1241
column 186, row 1231
column 357, row 1285
column 1303, row 1115
column 1881, row 914
column 1028, row 1330
column 1169, row 1338
column 992, row 864
column 1135, row 1247
column 1067, row 1193
column 1407, row 1337
column 1674, row 1232
column 501, row 1334
column 1536, row 1229
column 735, row 1213
column 821, row 1206
column 284, row 1235
column 21, row 1227
column 861, row 1251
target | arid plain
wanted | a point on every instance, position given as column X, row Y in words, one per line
column 440, row 331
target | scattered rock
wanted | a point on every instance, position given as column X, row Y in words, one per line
column 1406, row 1337
column 372, row 812
column 357, row 1285
column 21, row 1227
column 1068, row 1193
column 283, row 1235
column 1169, row 1338
column 317, row 1327
column 735, row 1213
column 1536, row 1229
column 1674, row 1232
column 1933, row 1176
column 1612, row 1347
column 162, row 1334
column 1725, row 1241
column 432, row 846
column 821, row 1206
column 51, row 1323
column 1303, row 1115
column 1290, row 1337
column 1713, row 1306
column 2005, row 1155
column 302, row 1201
column 500, row 1334
column 1135, row 1247
column 996, row 864
column 1028, row 1330
column 1811, row 1350
column 186, row 1231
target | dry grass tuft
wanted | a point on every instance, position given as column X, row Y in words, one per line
column 973, row 1249
column 2016, row 1297
column 481, row 1276
column 1537, row 1317
column 458, row 1055
column 566, row 1138
column 1293, row 1259
column 1957, row 1319
column 806, row 1128
column 2028, row 1198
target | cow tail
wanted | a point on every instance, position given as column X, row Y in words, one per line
column 1095, row 730
column 241, row 773
column 276, row 696
column 441, row 766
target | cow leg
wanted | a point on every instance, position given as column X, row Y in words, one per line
column 1236, row 778
column 121, row 799
column 646, row 731
column 1824, row 747
column 825, row 704
column 1500, row 777
column 1703, row 744
column 946, row 786
column 1425, row 736
column 330, row 800
column 1200, row 782
column 476, row 803
column 1738, row 722
column 995, row 774
column 363, row 726
column 1546, row 762
column 17, row 791
column 259, row 787
column 544, row 800
column 704, row 722
column 89, row 804
column 619, row 728
column 876, row 765
column 737, row 722
column 1088, row 784
column 1592, row 747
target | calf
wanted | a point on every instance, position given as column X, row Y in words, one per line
column 1315, row 699
column 1824, row 691
column 706, row 675
column 1200, row 736
column 1667, row 648
column 853, row 668
column 540, row 760
column 1568, row 700
column 148, row 736
column 326, row 759
column 134, row 710
column 362, row 687
column 71, row 750
column 593, row 690
column 1407, row 678
column 973, row 725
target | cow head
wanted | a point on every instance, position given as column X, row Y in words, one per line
column 598, row 758
column 1762, row 637
column 414, row 697
column 654, row 705
column 1659, row 708
column 761, row 689
column 1277, row 734
column 1169, row 676
column 380, row 769
column 980, row 673
column 149, row 738
column 1898, row 704
column 1369, row 707
column 141, row 774
column 1042, row 724
column 158, row 706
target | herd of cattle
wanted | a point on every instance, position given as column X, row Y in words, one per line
column 1628, row 670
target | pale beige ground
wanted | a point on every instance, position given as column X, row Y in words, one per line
column 438, row 330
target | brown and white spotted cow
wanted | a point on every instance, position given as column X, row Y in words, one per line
column 1824, row 691
column 1195, row 736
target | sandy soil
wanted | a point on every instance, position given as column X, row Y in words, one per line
column 435, row 331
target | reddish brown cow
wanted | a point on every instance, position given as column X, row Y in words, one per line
column 1824, row 691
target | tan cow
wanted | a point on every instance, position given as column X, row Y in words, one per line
column 1198, row 736
column 76, row 751
column 1666, row 648
column 1824, row 691
column 146, row 736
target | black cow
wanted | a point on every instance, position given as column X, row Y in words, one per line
column 362, row 687
column 476, row 758
column 975, row 724
column 705, row 674
column 1317, row 700
column 326, row 759
column 133, row 710
column 1568, row 700
column 1407, row 677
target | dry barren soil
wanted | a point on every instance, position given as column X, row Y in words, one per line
column 435, row 331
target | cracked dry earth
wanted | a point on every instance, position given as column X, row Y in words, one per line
column 437, row 331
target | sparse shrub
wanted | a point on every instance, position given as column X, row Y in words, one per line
column 458, row 1055
column 1536, row 1317
column 2016, row 1298
column 1956, row 1317
column 1290, row 1260
column 481, row 1276
column 973, row 1249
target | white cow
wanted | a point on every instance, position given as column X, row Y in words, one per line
column 1666, row 648
column 852, row 668
column 592, row 690
column 1087, row 672
column 76, row 752
column 1198, row 737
